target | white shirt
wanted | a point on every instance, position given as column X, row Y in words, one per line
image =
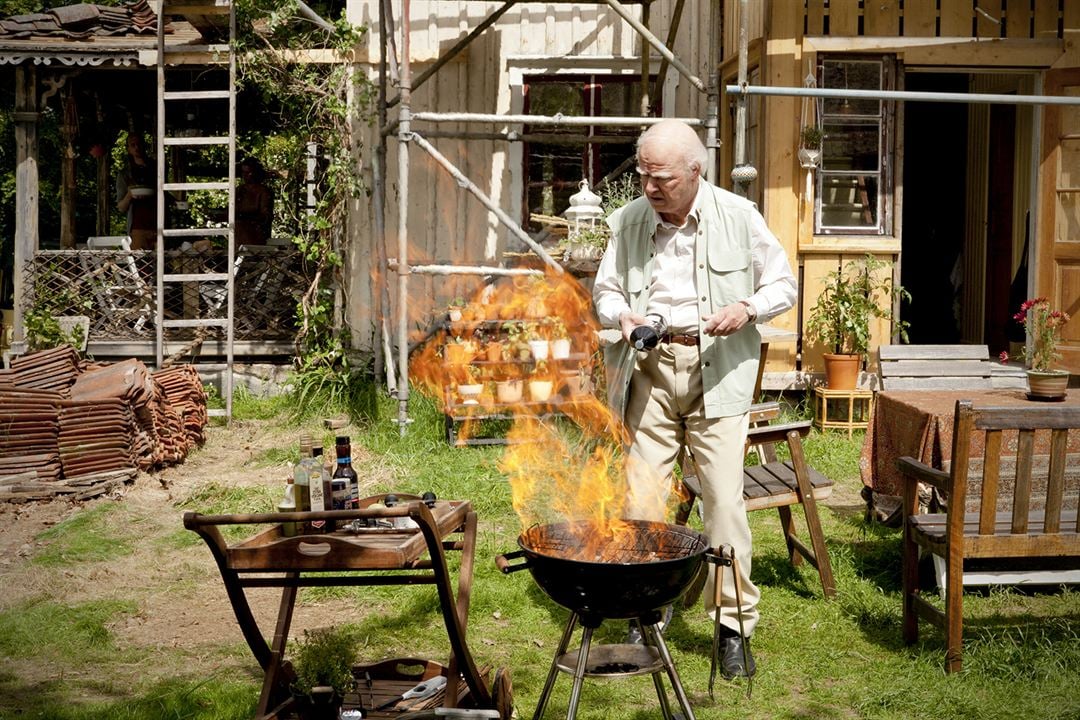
column 673, row 293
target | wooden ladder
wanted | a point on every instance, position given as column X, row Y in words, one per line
column 208, row 16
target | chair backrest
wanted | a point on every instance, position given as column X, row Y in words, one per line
column 1036, row 479
column 934, row 367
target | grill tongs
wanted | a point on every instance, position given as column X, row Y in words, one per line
column 724, row 556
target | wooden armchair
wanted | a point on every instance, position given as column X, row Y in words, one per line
column 1048, row 536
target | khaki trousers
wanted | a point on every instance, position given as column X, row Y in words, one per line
column 666, row 412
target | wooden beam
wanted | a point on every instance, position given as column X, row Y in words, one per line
column 26, row 182
column 949, row 51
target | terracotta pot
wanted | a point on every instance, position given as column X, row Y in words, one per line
column 842, row 371
column 494, row 352
column 576, row 383
column 509, row 391
column 1047, row 384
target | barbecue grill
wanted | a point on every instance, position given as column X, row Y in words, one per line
column 630, row 574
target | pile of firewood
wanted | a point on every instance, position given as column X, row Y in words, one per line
column 81, row 429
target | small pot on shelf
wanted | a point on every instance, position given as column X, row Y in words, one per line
column 540, row 390
column 469, row 392
column 560, row 349
column 509, row 391
column 539, row 349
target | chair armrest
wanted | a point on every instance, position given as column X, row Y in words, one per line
column 777, row 433
column 922, row 472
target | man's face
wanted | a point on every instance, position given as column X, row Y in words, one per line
column 666, row 181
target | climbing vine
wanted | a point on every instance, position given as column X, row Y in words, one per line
column 313, row 99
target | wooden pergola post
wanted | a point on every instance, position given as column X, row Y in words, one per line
column 26, row 185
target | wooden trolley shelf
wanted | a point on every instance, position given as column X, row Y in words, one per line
column 270, row 559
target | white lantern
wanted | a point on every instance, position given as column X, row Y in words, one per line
column 584, row 209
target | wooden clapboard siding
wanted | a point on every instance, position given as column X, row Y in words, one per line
column 920, row 17
column 815, row 17
column 882, row 17
column 844, row 17
column 988, row 22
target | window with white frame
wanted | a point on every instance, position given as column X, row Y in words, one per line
column 557, row 158
column 854, row 181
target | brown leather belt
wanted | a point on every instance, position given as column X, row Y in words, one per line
column 679, row 339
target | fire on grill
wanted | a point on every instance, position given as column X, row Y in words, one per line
column 641, row 567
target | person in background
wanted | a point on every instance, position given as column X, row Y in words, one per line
column 703, row 260
column 254, row 205
column 135, row 195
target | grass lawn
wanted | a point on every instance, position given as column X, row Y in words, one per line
column 816, row 659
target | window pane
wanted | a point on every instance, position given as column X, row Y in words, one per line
column 851, row 75
column 851, row 146
column 553, row 98
column 849, row 201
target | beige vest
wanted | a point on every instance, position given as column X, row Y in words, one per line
column 724, row 274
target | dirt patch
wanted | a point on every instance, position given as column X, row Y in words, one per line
column 170, row 573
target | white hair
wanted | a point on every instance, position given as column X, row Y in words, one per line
column 679, row 138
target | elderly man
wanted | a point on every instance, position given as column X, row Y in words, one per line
column 702, row 259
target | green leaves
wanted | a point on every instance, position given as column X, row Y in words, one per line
column 840, row 319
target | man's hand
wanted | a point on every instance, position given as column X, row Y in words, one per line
column 727, row 320
column 628, row 321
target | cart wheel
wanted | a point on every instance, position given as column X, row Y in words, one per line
column 502, row 691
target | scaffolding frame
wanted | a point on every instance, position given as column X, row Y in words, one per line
column 403, row 129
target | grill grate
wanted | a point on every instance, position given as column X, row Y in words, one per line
column 638, row 542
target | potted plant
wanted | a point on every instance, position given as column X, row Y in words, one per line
column 540, row 383
column 538, row 344
column 1043, row 328
column 517, row 345
column 576, row 381
column 457, row 352
column 493, row 349
column 323, row 663
column 453, row 310
column 810, row 146
column 472, row 387
column 509, row 390
column 559, row 337
column 840, row 319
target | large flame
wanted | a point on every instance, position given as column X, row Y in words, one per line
column 559, row 471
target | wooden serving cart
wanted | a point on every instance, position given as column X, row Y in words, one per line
column 270, row 559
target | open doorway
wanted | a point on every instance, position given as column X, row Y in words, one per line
column 935, row 160
column 967, row 185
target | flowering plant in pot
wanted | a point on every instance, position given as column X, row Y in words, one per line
column 323, row 663
column 540, row 383
column 559, row 337
column 538, row 344
column 840, row 319
column 1043, row 328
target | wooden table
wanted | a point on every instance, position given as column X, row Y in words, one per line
column 919, row 423
column 413, row 556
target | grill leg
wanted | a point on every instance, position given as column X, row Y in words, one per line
column 658, row 683
column 554, row 671
column 656, row 638
column 579, row 672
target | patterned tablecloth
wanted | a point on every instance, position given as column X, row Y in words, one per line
column 919, row 423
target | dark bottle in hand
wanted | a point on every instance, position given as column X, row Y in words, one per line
column 647, row 336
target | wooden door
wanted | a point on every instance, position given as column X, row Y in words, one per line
column 1057, row 252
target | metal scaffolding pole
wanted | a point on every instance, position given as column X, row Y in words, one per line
column 486, row 202
column 740, row 173
column 402, row 127
column 403, row 221
column 655, row 42
column 743, row 90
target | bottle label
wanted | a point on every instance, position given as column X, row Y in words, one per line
column 344, row 460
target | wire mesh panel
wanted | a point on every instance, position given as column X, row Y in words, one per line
column 115, row 289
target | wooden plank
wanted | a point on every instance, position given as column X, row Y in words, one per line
column 1018, row 20
column 989, row 489
column 956, row 20
column 935, row 368
column 920, row 18
column 934, row 352
column 1055, row 483
column 988, row 23
column 881, row 329
column 815, row 268
column 815, row 16
column 843, row 17
column 1046, row 19
column 1025, row 449
column 882, row 17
